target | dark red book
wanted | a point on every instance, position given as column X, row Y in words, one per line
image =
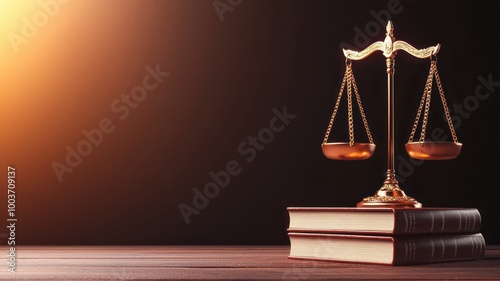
column 387, row 250
column 384, row 221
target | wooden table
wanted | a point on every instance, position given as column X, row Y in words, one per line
column 220, row 263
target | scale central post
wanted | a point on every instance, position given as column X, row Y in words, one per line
column 390, row 194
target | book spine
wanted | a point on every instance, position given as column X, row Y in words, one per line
column 431, row 249
column 437, row 221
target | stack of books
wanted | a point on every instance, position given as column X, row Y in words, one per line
column 390, row 236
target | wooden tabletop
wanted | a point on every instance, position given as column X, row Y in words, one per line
column 220, row 263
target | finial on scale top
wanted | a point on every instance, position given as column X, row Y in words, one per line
column 389, row 28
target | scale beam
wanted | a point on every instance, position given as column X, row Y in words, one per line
column 389, row 47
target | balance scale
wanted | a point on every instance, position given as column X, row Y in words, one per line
column 390, row 194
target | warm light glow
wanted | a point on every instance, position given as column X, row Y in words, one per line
column 12, row 11
column 61, row 65
column 13, row 14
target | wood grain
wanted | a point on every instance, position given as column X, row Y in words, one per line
column 220, row 263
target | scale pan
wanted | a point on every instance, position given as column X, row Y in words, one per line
column 343, row 151
column 433, row 150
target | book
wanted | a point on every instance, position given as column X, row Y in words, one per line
column 387, row 221
column 387, row 250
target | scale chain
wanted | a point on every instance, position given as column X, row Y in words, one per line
column 351, row 85
column 426, row 97
column 363, row 116
column 349, row 106
column 427, row 88
column 427, row 107
column 445, row 105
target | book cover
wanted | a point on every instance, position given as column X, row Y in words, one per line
column 388, row 250
column 387, row 221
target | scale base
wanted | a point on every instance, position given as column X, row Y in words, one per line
column 389, row 196
column 393, row 202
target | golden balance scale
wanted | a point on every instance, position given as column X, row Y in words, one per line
column 390, row 194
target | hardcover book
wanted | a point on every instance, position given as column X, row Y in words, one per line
column 387, row 250
column 384, row 221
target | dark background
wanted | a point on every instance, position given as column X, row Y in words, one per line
column 226, row 76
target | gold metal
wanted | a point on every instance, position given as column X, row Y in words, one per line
column 389, row 47
column 433, row 150
column 348, row 150
column 430, row 150
column 422, row 53
column 390, row 194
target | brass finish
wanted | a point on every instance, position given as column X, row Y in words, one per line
column 390, row 194
column 389, row 47
column 430, row 150
column 433, row 150
column 422, row 53
column 346, row 151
